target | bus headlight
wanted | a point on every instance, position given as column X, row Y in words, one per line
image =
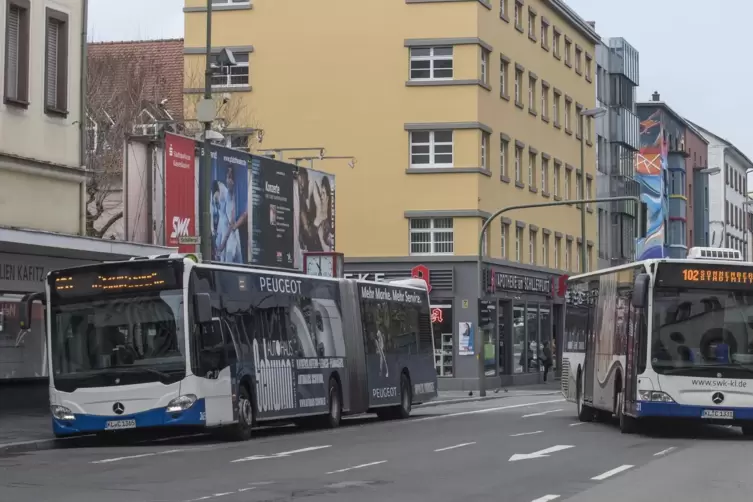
column 655, row 396
column 181, row 403
column 62, row 413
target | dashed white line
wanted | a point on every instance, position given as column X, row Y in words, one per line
column 577, row 423
column 222, row 494
column 281, row 454
column 609, row 474
column 547, row 498
column 454, row 446
column 664, row 452
column 525, row 434
column 485, row 410
column 143, row 455
column 541, row 413
column 370, row 464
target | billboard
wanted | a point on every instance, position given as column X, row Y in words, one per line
column 314, row 212
column 229, row 205
column 180, row 191
column 272, row 220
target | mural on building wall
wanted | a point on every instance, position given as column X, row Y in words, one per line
column 650, row 165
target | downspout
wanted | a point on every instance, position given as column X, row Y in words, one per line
column 82, row 106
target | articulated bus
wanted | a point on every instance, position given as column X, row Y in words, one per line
column 662, row 339
column 170, row 341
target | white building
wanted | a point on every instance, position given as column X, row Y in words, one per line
column 42, row 174
column 729, row 212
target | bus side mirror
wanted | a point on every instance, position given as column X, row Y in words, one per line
column 27, row 302
column 202, row 308
column 640, row 291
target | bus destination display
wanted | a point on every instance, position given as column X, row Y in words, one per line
column 705, row 275
column 103, row 281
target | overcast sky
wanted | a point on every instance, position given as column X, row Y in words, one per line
column 688, row 51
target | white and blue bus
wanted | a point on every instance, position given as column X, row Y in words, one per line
column 170, row 341
column 662, row 339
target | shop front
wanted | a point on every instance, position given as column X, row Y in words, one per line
column 25, row 259
column 521, row 308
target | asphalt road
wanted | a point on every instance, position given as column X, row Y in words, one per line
column 477, row 451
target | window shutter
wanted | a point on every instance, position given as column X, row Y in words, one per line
column 53, row 34
column 14, row 45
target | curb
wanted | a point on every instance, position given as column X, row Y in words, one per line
column 474, row 399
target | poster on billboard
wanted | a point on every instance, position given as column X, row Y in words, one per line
column 314, row 213
column 180, row 192
column 229, row 205
column 271, row 224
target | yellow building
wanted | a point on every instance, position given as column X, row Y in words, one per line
column 453, row 109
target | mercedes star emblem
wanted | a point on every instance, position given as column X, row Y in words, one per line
column 118, row 408
column 717, row 397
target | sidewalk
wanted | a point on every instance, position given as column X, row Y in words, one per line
column 32, row 430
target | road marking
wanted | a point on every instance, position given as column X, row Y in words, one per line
column 281, row 454
column 222, row 494
column 541, row 453
column 455, row 446
column 664, row 452
column 525, row 434
column 609, row 474
column 485, row 410
column 143, row 455
column 357, row 467
column 547, row 498
column 577, row 423
column 541, row 413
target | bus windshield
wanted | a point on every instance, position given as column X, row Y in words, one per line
column 118, row 340
column 702, row 332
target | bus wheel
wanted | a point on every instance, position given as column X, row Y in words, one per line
column 335, row 405
column 241, row 431
column 628, row 425
column 747, row 430
column 585, row 412
column 406, row 397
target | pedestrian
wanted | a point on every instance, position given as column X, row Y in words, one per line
column 546, row 359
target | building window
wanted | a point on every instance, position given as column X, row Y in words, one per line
column 568, row 50
column 230, row 2
column 231, row 76
column 544, row 173
column 431, row 149
column 568, row 252
column 588, row 192
column 556, row 41
column 431, row 236
column 532, row 94
column 484, row 66
column 484, row 150
column 568, row 112
column 17, row 53
column 503, row 10
column 518, row 242
column 544, row 101
column 578, row 121
column 531, row 25
column 588, row 258
column 544, row 34
column 518, row 87
column 588, row 67
column 545, row 250
column 504, row 146
column 505, row 232
column 532, row 247
column 577, row 260
column 556, row 180
column 578, row 57
column 577, row 186
column 518, row 15
column 567, row 184
column 531, row 169
column 518, row 167
column 588, row 129
column 504, row 67
column 556, row 109
column 56, row 63
column 557, row 246
column 431, row 63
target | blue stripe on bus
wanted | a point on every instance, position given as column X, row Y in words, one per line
column 158, row 417
column 654, row 409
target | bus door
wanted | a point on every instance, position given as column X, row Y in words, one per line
column 590, row 361
column 215, row 379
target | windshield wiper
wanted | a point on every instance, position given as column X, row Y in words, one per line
column 138, row 369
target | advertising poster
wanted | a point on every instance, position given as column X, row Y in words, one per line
column 465, row 347
column 314, row 212
column 229, row 205
column 272, row 221
column 180, row 191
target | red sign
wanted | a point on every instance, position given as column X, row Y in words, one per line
column 180, row 191
column 421, row 272
column 437, row 315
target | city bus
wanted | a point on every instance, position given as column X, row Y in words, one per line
column 172, row 341
column 662, row 339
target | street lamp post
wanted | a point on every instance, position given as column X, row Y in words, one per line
column 591, row 112
column 480, row 256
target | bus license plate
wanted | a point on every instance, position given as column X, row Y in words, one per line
column 114, row 425
column 725, row 414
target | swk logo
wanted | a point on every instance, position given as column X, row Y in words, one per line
column 180, row 227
